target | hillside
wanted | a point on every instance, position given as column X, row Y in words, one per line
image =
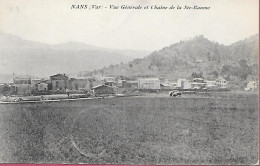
column 238, row 61
column 39, row 59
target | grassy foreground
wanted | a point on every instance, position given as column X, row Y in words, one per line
column 132, row 130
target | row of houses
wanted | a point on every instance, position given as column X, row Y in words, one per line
column 60, row 83
column 196, row 83
column 200, row 83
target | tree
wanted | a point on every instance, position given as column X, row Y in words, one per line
column 215, row 74
column 197, row 75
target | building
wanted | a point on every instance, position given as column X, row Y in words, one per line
column 34, row 84
column 149, row 83
column 197, row 85
column 252, row 85
column 23, row 86
column 198, row 80
column 59, row 82
column 110, row 81
column 42, row 87
column 165, row 86
column 103, row 90
column 180, row 83
column 211, row 84
column 221, row 83
column 22, row 80
column 35, row 81
column 186, row 84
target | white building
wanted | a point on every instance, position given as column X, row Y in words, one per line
column 186, row 84
column 211, row 84
column 251, row 85
column 149, row 83
column 221, row 82
column 180, row 83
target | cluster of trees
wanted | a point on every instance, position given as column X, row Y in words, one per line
column 197, row 75
column 241, row 71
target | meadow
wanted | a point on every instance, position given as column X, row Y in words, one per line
column 221, row 129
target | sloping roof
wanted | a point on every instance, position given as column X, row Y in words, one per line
column 101, row 86
column 221, row 78
column 164, row 84
column 154, row 79
column 198, row 79
column 59, row 75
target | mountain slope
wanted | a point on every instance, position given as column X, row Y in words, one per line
column 34, row 58
column 238, row 61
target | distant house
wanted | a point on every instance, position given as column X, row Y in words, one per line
column 186, row 84
column 109, row 81
column 211, row 84
column 180, row 83
column 35, row 81
column 252, row 85
column 165, row 86
column 59, row 82
column 34, row 84
column 149, row 83
column 23, row 86
column 197, row 85
column 42, row 87
column 103, row 90
column 221, row 82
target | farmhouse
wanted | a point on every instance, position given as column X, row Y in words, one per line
column 221, row 82
column 149, row 83
column 22, row 86
column 59, row 82
column 103, row 90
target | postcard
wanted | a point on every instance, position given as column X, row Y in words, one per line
column 143, row 82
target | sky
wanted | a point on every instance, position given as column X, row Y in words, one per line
column 54, row 22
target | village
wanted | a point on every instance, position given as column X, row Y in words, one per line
column 103, row 86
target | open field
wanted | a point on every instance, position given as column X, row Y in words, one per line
column 132, row 130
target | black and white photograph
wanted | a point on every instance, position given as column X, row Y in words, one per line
column 129, row 82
